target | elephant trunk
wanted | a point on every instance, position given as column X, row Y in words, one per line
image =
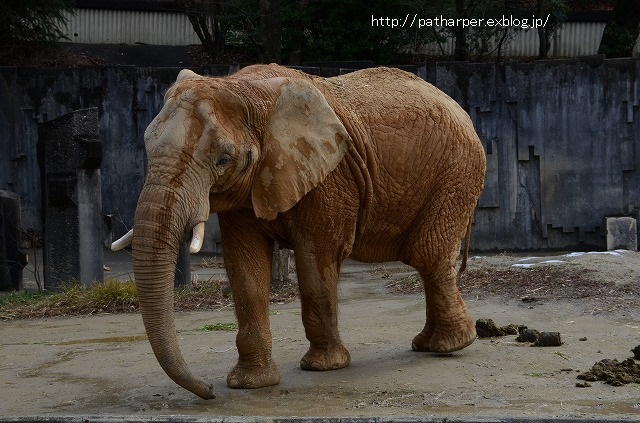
column 158, row 229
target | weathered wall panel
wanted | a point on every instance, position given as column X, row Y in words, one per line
column 564, row 133
column 127, row 99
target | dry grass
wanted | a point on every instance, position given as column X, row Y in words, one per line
column 211, row 263
column 113, row 296
column 545, row 283
column 542, row 283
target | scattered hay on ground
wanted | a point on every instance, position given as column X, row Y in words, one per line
column 544, row 283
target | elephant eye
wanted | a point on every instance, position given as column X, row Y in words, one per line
column 223, row 161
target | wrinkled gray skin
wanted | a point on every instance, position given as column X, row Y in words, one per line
column 376, row 165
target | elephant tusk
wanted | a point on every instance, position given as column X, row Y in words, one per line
column 197, row 238
column 125, row 241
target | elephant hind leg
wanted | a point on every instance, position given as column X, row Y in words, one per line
column 448, row 327
column 433, row 250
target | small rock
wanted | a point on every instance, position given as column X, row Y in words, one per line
column 584, row 338
column 583, row 385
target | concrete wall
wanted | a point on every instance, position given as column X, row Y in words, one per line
column 561, row 140
column 127, row 99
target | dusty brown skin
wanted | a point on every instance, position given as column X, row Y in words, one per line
column 376, row 165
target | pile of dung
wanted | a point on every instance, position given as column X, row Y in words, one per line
column 539, row 339
column 613, row 372
column 486, row 328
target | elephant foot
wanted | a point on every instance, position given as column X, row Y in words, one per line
column 326, row 359
column 251, row 377
column 445, row 338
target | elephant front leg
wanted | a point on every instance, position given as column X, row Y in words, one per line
column 248, row 267
column 448, row 327
column 318, row 297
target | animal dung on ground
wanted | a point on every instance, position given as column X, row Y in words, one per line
column 548, row 339
column 486, row 328
column 613, row 372
column 539, row 339
column 527, row 335
column 583, row 385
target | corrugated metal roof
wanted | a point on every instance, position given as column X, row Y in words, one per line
column 101, row 26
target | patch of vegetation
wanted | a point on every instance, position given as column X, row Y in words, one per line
column 31, row 28
column 207, row 294
column 113, row 296
column 18, row 298
column 226, row 327
column 73, row 299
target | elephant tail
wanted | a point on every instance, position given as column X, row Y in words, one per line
column 465, row 253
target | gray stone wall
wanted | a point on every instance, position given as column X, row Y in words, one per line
column 127, row 99
column 561, row 138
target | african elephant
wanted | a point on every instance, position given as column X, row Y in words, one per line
column 376, row 165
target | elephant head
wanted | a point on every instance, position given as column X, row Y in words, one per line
column 219, row 144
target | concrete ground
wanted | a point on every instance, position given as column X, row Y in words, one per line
column 101, row 368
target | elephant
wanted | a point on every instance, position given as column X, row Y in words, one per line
column 375, row 165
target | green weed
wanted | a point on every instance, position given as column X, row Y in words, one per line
column 228, row 327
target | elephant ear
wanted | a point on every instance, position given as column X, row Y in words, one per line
column 187, row 74
column 183, row 75
column 303, row 142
